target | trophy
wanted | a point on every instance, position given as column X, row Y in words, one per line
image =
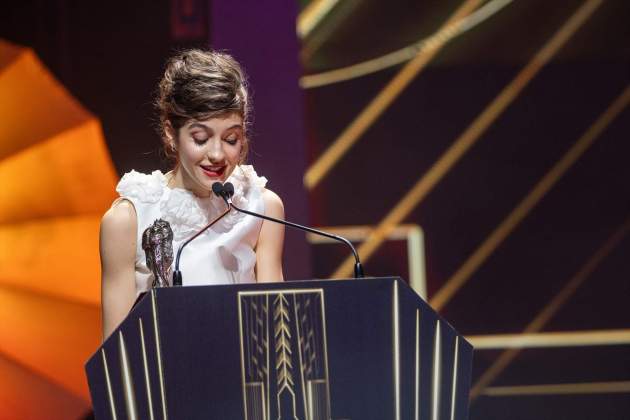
column 157, row 243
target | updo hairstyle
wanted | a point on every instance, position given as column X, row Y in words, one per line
column 199, row 84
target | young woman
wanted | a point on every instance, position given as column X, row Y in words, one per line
column 204, row 113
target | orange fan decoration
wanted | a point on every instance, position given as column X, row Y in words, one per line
column 56, row 181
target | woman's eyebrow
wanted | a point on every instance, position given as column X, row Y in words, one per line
column 198, row 125
column 205, row 127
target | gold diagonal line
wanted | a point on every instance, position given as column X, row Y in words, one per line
column 551, row 339
column 405, row 54
column 426, row 183
column 110, row 394
column 383, row 99
column 523, row 208
column 437, row 373
column 454, row 383
column 312, row 14
column 560, row 389
column 552, row 307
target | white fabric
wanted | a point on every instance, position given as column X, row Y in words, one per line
column 224, row 254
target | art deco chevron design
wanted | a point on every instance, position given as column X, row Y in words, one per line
column 284, row 357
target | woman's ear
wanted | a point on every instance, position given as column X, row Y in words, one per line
column 169, row 133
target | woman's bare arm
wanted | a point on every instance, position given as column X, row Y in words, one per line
column 118, row 255
column 270, row 241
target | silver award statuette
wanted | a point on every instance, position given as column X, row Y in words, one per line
column 157, row 242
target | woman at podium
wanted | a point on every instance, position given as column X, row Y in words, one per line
column 204, row 112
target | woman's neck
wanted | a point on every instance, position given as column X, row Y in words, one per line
column 178, row 179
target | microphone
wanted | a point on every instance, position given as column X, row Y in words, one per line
column 227, row 191
column 218, row 190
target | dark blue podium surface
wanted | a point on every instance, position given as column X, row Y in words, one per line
column 332, row 349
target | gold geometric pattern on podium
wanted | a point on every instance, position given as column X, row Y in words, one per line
column 284, row 357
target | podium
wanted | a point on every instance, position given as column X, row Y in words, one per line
column 309, row 350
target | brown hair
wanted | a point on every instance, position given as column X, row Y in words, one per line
column 199, row 84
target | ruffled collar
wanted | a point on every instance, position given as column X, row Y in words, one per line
column 187, row 213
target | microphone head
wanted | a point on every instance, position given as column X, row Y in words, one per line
column 218, row 189
column 229, row 189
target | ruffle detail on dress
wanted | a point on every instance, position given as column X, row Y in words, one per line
column 246, row 175
column 142, row 187
column 188, row 214
column 243, row 178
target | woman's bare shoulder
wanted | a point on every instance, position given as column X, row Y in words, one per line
column 273, row 203
column 119, row 219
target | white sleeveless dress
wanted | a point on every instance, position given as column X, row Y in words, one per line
column 224, row 254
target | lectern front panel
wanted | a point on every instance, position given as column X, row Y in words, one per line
column 312, row 350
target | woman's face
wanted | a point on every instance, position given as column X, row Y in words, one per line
column 208, row 151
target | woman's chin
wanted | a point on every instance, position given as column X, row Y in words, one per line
column 204, row 185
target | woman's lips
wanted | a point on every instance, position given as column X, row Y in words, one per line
column 213, row 171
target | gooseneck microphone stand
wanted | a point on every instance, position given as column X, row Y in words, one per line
column 217, row 189
column 227, row 191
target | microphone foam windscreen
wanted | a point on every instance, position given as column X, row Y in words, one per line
column 229, row 188
column 218, row 188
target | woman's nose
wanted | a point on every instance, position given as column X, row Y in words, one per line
column 215, row 151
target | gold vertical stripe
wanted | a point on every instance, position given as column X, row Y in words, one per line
column 396, row 349
column 417, row 376
column 437, row 373
column 240, row 331
column 110, row 394
column 264, row 402
column 130, row 398
column 552, row 307
column 469, row 137
column 523, row 208
column 159, row 353
column 308, row 410
column 325, row 334
column 454, row 385
column 267, row 329
column 311, row 397
column 146, row 370
column 381, row 102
